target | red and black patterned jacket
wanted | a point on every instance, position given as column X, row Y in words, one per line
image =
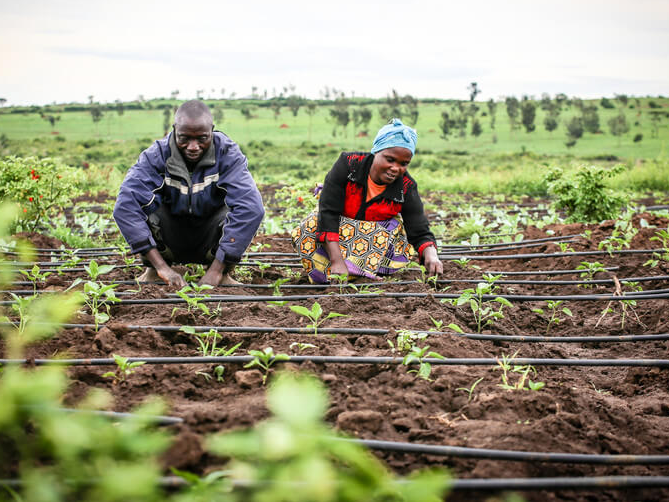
column 345, row 193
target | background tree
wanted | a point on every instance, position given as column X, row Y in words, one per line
column 606, row 103
column 528, row 111
column 339, row 114
column 361, row 118
column 96, row 115
column 276, row 108
column 618, row 125
column 51, row 119
column 174, row 94
column 167, row 118
column 590, row 119
column 311, row 111
column 461, row 119
column 622, row 99
column 550, row 123
column 473, row 91
column 561, row 99
column 574, row 130
column 120, row 109
column 476, row 128
column 294, row 102
column 2, row 101
column 512, row 109
column 217, row 114
column 447, row 125
column 410, row 109
column 492, row 109
column 392, row 107
column 199, row 93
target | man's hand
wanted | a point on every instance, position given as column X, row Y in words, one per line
column 431, row 261
column 163, row 270
column 171, row 277
column 214, row 274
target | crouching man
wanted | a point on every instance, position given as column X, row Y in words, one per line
column 190, row 198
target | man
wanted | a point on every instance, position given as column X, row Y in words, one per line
column 190, row 199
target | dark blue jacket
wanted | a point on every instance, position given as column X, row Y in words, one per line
column 160, row 176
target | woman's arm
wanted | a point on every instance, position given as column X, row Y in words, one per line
column 418, row 232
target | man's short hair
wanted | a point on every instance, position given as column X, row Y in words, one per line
column 193, row 109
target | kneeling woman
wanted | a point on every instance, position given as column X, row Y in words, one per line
column 357, row 230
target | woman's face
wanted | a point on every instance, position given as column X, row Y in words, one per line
column 390, row 164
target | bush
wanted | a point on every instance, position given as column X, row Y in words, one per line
column 638, row 137
column 39, row 186
column 583, row 195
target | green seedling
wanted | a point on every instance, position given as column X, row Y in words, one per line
column 258, row 246
column 626, row 306
column 276, row 285
column 315, row 314
column 554, row 318
column 366, row 289
column 302, row 346
column 418, row 355
column 98, row 297
column 71, row 261
column 470, row 390
column 265, row 359
column 508, row 368
column 262, row 267
column 465, row 263
column 423, row 278
column 661, row 236
column 196, row 274
column 565, row 247
column 484, row 312
column 35, row 276
column 194, row 301
column 21, row 306
column 340, row 280
column 406, row 340
column 123, row 368
column 589, row 271
column 207, row 342
column 437, row 324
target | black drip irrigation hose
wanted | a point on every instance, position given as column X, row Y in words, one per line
column 528, row 256
column 508, row 247
column 379, row 360
column 524, row 456
column 501, row 244
column 386, row 284
column 375, row 296
column 154, row 419
column 546, row 272
column 383, row 332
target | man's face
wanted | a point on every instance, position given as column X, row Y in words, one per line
column 193, row 137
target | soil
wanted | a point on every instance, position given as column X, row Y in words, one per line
column 592, row 410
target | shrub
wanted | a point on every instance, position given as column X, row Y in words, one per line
column 583, row 194
column 39, row 186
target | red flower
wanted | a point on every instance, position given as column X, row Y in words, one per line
column 30, row 199
column 41, row 196
column 300, row 200
column 25, row 210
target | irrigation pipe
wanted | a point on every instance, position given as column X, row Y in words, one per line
column 575, row 483
column 383, row 332
column 375, row 296
column 155, row 419
column 379, row 360
column 525, row 456
column 528, row 256
column 508, row 247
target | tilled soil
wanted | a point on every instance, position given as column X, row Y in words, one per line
column 581, row 409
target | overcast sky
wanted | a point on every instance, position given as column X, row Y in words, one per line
column 66, row 50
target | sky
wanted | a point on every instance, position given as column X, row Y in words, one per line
column 68, row 50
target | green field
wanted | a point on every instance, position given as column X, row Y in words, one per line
column 498, row 160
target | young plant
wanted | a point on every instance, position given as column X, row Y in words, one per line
column 661, row 236
column 123, row 368
column 262, row 267
column 523, row 372
column 98, row 298
column 418, row 355
column 565, row 247
column 621, row 236
column 207, row 342
column 194, row 302
column 35, row 276
column 554, row 318
column 264, row 359
column 465, row 263
column 365, row 289
column 470, row 390
column 315, row 314
column 625, row 305
column 437, row 324
column 21, row 307
column 484, row 311
column 302, row 346
column 426, row 279
column 195, row 274
column 71, row 261
column 406, row 340
column 589, row 271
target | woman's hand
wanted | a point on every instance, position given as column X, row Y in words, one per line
column 431, row 261
column 338, row 265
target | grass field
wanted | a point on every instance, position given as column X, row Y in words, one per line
column 301, row 147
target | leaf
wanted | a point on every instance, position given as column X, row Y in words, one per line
column 455, row 327
column 188, row 329
column 316, row 310
column 538, row 311
column 566, row 311
column 503, row 301
column 298, row 309
column 335, row 314
column 105, row 269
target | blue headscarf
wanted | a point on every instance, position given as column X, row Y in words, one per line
column 395, row 134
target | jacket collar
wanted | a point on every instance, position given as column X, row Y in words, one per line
column 176, row 165
column 394, row 191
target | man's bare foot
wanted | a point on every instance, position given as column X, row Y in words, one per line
column 149, row 275
column 228, row 280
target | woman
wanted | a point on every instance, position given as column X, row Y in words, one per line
column 358, row 230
